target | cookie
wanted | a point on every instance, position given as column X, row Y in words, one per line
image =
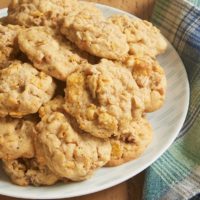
column 55, row 105
column 92, row 33
column 102, row 98
column 50, row 52
column 8, row 44
column 16, row 138
column 150, row 78
column 68, row 151
column 26, row 172
column 133, row 141
column 23, row 89
column 38, row 13
column 143, row 38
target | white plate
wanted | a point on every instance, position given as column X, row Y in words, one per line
column 166, row 122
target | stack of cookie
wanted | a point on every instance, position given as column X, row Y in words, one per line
column 74, row 89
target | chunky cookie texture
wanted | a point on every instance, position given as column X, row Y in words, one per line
column 132, row 143
column 26, row 172
column 50, row 52
column 75, row 88
column 23, row 89
column 150, row 78
column 143, row 38
column 109, row 97
column 39, row 13
column 55, row 105
column 68, row 151
column 8, row 44
column 16, row 138
column 91, row 32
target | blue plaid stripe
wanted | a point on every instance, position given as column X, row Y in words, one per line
column 176, row 175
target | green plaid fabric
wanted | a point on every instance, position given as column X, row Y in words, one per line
column 176, row 175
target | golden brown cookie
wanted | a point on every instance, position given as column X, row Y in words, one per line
column 133, row 141
column 16, row 138
column 50, row 52
column 68, row 151
column 102, row 98
column 90, row 31
column 26, row 172
column 55, row 105
column 8, row 44
column 150, row 78
column 23, row 89
column 143, row 38
column 36, row 12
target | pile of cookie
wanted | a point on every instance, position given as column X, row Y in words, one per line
column 75, row 88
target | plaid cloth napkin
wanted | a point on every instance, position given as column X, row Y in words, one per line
column 176, row 175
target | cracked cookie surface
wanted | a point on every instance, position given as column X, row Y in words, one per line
column 109, row 97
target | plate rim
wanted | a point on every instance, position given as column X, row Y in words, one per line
column 126, row 177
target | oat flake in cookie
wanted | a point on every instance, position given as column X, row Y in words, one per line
column 109, row 97
column 23, row 89
column 50, row 52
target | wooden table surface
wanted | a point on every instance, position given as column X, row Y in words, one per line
column 131, row 189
